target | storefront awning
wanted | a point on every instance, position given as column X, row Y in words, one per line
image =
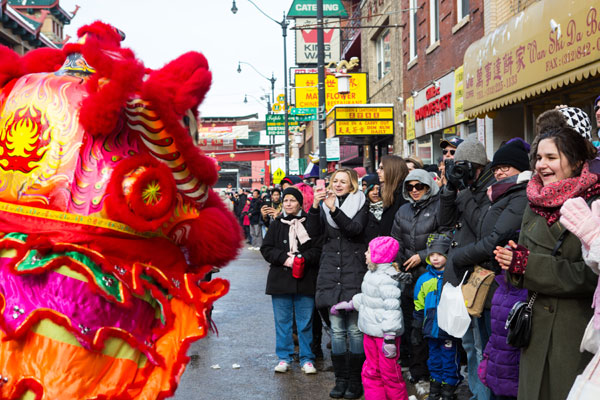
column 540, row 49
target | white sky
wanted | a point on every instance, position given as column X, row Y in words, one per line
column 159, row 31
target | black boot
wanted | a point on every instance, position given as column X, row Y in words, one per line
column 340, row 368
column 355, row 387
column 435, row 390
column 448, row 392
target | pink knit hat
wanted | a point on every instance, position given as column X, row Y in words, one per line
column 383, row 249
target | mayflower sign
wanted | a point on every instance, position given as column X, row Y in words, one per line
column 308, row 8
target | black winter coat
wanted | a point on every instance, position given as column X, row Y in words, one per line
column 501, row 217
column 274, row 250
column 462, row 212
column 389, row 213
column 342, row 265
column 254, row 211
column 413, row 224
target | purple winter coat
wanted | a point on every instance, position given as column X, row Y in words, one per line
column 499, row 369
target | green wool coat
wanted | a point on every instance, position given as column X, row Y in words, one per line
column 565, row 287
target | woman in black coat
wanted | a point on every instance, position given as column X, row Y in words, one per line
column 294, row 259
column 392, row 171
column 341, row 219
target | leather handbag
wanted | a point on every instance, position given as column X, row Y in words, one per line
column 476, row 289
column 518, row 322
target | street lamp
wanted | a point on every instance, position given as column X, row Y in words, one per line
column 283, row 24
column 262, row 98
column 272, row 79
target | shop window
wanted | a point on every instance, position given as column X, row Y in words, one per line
column 434, row 21
column 413, row 29
column 384, row 54
column 462, row 9
column 424, row 149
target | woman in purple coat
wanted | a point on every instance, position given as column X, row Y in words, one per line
column 499, row 369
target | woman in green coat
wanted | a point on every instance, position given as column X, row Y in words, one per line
column 563, row 283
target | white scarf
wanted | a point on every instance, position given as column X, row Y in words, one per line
column 297, row 233
column 350, row 207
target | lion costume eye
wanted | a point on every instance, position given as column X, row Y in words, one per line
column 189, row 121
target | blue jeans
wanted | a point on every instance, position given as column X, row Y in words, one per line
column 284, row 308
column 473, row 343
column 345, row 325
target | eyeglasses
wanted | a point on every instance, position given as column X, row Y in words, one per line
column 419, row 186
column 446, row 151
column 501, row 168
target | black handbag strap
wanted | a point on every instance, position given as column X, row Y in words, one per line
column 559, row 242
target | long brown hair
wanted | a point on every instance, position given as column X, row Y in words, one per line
column 394, row 171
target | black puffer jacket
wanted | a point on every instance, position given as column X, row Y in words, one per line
column 503, row 216
column 414, row 221
column 461, row 212
column 342, row 265
column 274, row 250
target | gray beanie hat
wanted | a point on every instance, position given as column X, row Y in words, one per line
column 437, row 243
column 471, row 150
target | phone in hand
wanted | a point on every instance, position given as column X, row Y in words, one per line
column 320, row 184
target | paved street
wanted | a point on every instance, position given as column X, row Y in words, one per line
column 246, row 337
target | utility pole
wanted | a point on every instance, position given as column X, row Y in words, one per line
column 321, row 78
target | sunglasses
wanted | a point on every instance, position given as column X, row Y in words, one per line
column 445, row 151
column 419, row 186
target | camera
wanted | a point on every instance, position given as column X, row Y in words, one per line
column 459, row 174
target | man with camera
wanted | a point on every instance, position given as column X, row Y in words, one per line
column 462, row 200
column 448, row 146
column 271, row 207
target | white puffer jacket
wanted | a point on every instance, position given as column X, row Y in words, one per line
column 378, row 305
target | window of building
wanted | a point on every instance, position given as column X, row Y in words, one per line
column 384, row 54
column 413, row 29
column 462, row 8
column 434, row 21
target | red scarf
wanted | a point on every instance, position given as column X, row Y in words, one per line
column 547, row 200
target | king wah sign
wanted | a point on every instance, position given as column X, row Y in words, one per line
column 361, row 120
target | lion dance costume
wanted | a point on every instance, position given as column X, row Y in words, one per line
column 108, row 222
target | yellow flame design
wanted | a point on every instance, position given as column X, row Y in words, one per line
column 22, row 138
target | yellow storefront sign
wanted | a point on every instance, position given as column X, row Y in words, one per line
column 550, row 44
column 375, row 127
column 409, row 108
column 364, row 113
column 307, row 94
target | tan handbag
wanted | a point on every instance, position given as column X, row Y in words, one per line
column 476, row 289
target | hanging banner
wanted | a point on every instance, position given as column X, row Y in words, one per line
column 409, row 109
column 223, row 132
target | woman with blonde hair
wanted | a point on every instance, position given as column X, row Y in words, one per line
column 340, row 214
column 392, row 171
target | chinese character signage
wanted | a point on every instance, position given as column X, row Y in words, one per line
column 365, row 120
column 307, row 94
column 543, row 42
